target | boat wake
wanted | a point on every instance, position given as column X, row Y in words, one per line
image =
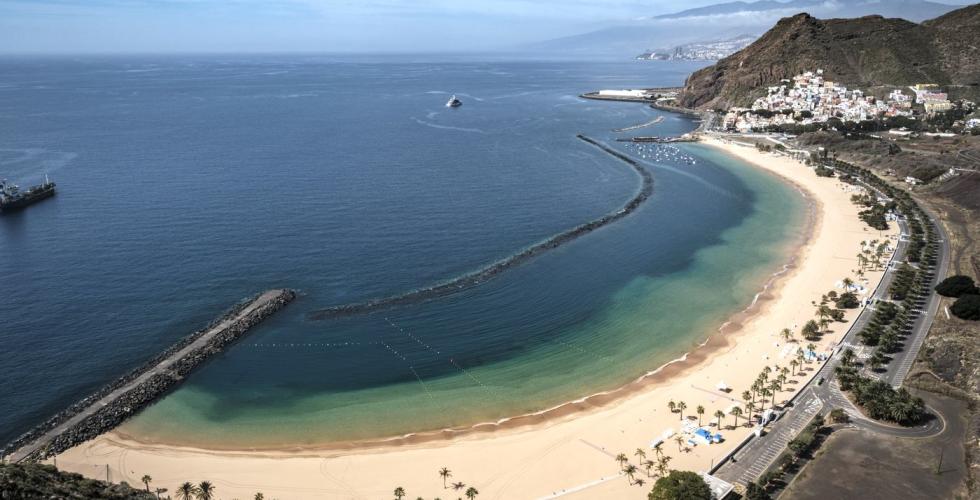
column 479, row 276
column 448, row 127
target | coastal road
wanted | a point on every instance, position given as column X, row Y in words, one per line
column 759, row 454
column 202, row 341
column 902, row 361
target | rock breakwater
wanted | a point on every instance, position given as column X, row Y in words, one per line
column 108, row 407
column 474, row 278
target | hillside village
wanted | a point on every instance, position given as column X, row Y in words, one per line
column 810, row 98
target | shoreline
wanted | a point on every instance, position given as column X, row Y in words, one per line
column 595, row 414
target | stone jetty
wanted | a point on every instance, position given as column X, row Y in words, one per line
column 468, row 280
column 141, row 387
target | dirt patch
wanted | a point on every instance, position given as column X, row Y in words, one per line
column 859, row 464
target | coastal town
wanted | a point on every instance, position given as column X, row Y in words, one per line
column 810, row 98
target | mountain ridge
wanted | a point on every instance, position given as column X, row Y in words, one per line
column 866, row 52
column 724, row 20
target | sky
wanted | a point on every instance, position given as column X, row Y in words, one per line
column 66, row 26
column 320, row 26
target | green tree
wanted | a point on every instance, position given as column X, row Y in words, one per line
column 755, row 492
column 736, row 412
column 811, row 330
column 955, row 286
column 205, row 490
column 967, row 307
column 787, row 334
column 680, row 485
column 186, row 491
column 630, row 471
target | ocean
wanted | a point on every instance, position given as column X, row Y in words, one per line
column 189, row 183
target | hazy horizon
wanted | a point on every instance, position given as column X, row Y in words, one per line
column 310, row 26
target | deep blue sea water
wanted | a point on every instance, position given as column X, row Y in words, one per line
column 189, row 183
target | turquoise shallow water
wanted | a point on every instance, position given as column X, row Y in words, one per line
column 187, row 184
column 641, row 325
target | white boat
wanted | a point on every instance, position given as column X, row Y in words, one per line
column 454, row 102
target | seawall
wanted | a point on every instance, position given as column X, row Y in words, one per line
column 111, row 405
column 476, row 277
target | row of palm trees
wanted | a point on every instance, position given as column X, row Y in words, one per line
column 445, row 474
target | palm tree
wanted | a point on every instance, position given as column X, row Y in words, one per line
column 749, row 410
column 847, row 357
column 445, row 474
column 659, row 449
column 719, row 415
column 205, row 491
column 186, row 491
column 681, row 407
column 746, row 396
column 458, row 486
column 622, row 459
column 680, row 442
column 648, row 464
column 471, row 493
column 700, row 412
column 399, row 492
column 640, row 453
column 736, row 411
column 787, row 334
column 630, row 471
column 794, row 363
column 146, row 480
column 259, row 496
column 662, row 465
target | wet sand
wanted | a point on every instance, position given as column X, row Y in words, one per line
column 567, row 448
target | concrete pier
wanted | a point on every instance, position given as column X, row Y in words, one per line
column 116, row 402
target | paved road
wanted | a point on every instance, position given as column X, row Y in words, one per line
column 163, row 366
column 902, row 361
column 759, row 454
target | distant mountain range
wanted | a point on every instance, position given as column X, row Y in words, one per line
column 865, row 52
column 700, row 51
column 725, row 21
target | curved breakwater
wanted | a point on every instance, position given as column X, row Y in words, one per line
column 476, row 277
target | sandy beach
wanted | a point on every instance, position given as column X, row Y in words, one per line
column 570, row 450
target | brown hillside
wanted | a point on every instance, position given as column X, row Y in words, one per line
column 863, row 52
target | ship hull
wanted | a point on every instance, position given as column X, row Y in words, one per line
column 27, row 199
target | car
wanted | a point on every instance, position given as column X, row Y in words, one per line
column 820, row 381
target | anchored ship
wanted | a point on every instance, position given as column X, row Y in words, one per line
column 454, row 102
column 12, row 198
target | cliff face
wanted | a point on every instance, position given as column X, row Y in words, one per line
column 863, row 52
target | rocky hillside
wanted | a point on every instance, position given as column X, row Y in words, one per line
column 864, row 52
column 45, row 481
